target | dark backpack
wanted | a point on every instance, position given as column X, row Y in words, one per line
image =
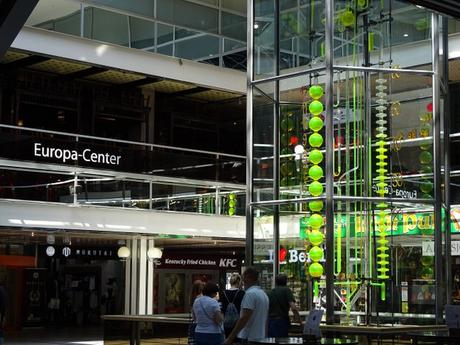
column 231, row 313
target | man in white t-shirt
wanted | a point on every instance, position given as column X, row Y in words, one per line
column 252, row 324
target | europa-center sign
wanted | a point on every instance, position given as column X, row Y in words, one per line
column 67, row 156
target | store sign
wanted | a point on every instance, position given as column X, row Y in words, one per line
column 82, row 252
column 428, row 248
column 291, row 256
column 391, row 191
column 199, row 262
column 421, row 223
column 67, row 156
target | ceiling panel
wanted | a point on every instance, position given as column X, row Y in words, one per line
column 11, row 56
column 116, row 77
column 168, row 86
column 214, row 95
column 59, row 66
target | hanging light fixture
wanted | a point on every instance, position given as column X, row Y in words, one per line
column 123, row 252
column 154, row 253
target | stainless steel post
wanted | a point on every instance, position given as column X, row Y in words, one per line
column 446, row 130
column 329, row 163
column 249, row 137
column 276, row 145
column 438, row 259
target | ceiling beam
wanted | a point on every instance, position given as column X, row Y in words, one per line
column 13, row 15
column 24, row 62
column 448, row 7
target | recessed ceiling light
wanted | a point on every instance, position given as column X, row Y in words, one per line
column 406, row 35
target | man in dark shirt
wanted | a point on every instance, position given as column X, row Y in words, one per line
column 281, row 300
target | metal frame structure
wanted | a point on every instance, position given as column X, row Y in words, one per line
column 440, row 201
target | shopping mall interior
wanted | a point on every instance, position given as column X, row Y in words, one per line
column 148, row 144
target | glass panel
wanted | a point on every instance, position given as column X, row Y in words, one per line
column 230, row 45
column 263, row 143
column 362, row 35
column 103, row 191
column 183, row 13
column 165, row 34
column 142, row 33
column 196, row 48
column 264, row 245
column 264, row 38
column 235, row 5
column 57, row 15
column 234, row 26
column 166, row 50
column 143, row 7
column 36, row 186
column 107, row 26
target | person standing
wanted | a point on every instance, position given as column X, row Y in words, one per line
column 197, row 291
column 206, row 312
column 230, row 301
column 252, row 324
column 281, row 300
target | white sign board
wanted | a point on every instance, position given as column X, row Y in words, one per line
column 428, row 248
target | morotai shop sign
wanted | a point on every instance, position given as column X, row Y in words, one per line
column 196, row 261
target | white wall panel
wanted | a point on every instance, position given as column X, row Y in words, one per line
column 29, row 214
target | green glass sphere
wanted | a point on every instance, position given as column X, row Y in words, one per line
column 315, row 188
column 315, row 91
column 315, row 156
column 315, row 206
column 316, row 237
column 427, row 273
column 315, row 140
column 422, row 24
column 316, row 253
column 287, row 124
column 315, row 220
column 426, row 187
column 425, row 157
column 315, row 172
column 315, row 107
column 315, row 123
column 347, row 18
column 425, row 147
column 426, row 196
column 427, row 260
column 426, row 169
column 315, row 270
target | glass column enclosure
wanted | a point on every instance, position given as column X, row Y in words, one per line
column 346, row 162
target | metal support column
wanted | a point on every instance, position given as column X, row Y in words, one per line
column 249, row 138
column 446, row 130
column 276, row 146
column 329, row 163
column 438, row 259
